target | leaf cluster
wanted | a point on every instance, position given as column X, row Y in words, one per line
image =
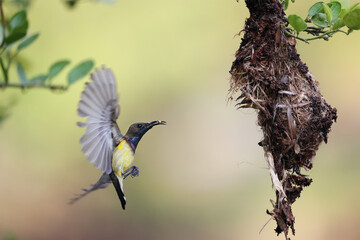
column 14, row 39
column 325, row 19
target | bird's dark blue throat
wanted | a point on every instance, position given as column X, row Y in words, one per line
column 137, row 130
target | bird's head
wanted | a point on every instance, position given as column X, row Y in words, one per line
column 137, row 130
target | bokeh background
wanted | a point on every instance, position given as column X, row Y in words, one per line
column 202, row 176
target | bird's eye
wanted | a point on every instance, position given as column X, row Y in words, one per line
column 139, row 125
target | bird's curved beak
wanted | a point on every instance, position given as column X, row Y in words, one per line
column 157, row 122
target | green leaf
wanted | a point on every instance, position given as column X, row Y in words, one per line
column 335, row 7
column 18, row 26
column 347, row 10
column 338, row 24
column 353, row 7
column 320, row 20
column 352, row 19
column 293, row 1
column 39, row 80
column 80, row 71
column 18, row 20
column 342, row 13
column 71, row 3
column 27, row 41
column 297, row 23
column 328, row 13
column 344, row 3
column 56, row 68
column 286, row 5
column 316, row 8
column 21, row 73
column 1, row 34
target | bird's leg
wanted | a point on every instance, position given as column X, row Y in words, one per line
column 297, row 170
column 133, row 171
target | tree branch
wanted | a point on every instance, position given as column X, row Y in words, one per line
column 33, row 85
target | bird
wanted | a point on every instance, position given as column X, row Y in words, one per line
column 103, row 143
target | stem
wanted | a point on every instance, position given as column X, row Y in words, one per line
column 325, row 34
column 317, row 37
column 2, row 23
column 10, row 58
column 4, row 70
column 297, row 37
column 33, row 85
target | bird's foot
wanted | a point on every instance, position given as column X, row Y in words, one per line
column 297, row 171
column 133, row 171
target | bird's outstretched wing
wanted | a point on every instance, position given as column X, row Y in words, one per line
column 99, row 103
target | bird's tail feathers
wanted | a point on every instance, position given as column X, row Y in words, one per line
column 118, row 185
column 103, row 181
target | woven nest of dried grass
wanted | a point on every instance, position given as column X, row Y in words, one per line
column 269, row 76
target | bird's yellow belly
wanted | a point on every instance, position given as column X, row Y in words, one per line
column 123, row 157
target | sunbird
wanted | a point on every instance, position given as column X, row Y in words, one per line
column 103, row 143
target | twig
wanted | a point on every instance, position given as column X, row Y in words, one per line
column 33, row 85
column 265, row 224
column 294, row 36
column 10, row 59
column 3, row 69
column 314, row 30
column 323, row 36
column 326, row 34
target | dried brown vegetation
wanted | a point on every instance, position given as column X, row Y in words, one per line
column 268, row 75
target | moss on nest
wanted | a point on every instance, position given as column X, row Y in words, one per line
column 268, row 75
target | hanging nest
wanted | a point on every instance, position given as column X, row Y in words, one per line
column 269, row 76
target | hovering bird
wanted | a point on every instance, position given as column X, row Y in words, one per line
column 103, row 143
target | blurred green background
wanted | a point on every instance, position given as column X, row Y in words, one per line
column 202, row 176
